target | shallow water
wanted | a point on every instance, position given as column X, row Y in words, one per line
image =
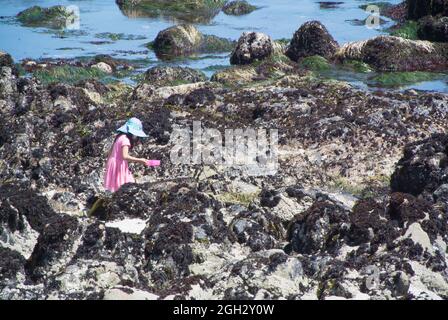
column 277, row 18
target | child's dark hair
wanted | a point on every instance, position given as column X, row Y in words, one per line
column 133, row 139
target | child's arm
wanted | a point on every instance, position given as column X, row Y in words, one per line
column 130, row 158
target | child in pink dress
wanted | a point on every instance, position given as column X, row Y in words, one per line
column 117, row 167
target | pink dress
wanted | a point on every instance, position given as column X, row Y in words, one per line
column 117, row 169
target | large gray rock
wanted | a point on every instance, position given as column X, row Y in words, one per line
column 252, row 46
column 419, row 236
column 177, row 40
column 311, row 39
column 103, row 67
column 186, row 39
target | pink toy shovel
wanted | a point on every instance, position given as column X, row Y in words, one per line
column 153, row 163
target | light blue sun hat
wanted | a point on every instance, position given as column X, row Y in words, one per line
column 133, row 126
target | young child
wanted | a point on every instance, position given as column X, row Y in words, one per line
column 117, row 168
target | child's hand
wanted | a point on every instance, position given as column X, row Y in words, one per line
column 153, row 163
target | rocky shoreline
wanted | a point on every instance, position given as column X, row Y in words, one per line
column 358, row 208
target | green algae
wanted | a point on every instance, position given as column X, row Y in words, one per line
column 68, row 74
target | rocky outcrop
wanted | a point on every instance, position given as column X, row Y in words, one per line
column 6, row 60
column 400, row 226
column 9, row 71
column 322, row 227
column 166, row 76
column 11, row 263
column 196, row 11
column 52, row 17
column 319, row 228
column 421, row 8
column 388, row 53
column 396, row 12
column 423, row 168
column 251, row 46
column 177, row 40
column 129, row 201
column 238, row 8
column 433, row 29
column 257, row 229
column 186, row 39
column 21, row 206
column 268, row 69
column 8, row 85
column 54, row 248
column 312, row 38
column 235, row 75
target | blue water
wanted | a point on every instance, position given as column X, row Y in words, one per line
column 277, row 18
